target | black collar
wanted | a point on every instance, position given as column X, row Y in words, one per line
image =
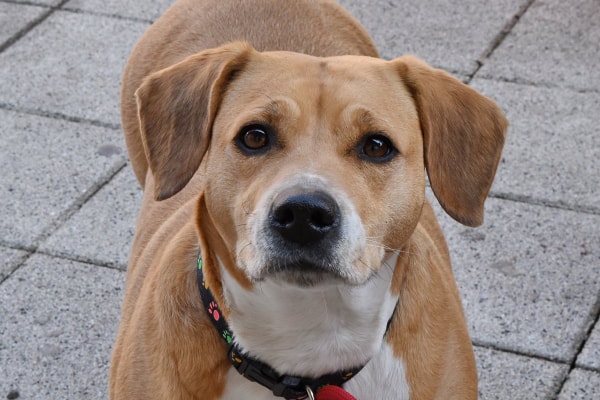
column 286, row 386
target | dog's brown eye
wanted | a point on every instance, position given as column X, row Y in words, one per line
column 377, row 148
column 254, row 139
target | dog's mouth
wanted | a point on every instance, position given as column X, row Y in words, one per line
column 304, row 273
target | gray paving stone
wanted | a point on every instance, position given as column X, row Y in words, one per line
column 102, row 231
column 14, row 17
column 145, row 9
column 509, row 376
column 552, row 150
column 9, row 260
column 59, row 320
column 449, row 34
column 70, row 64
column 590, row 356
column 46, row 165
column 555, row 43
column 528, row 277
column 581, row 385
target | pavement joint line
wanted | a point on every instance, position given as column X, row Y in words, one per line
column 586, row 368
column 17, row 267
column 31, row 25
column 535, row 201
column 469, row 77
column 65, row 215
column 26, row 3
column 542, row 85
column 495, row 347
column 59, row 116
column 589, row 369
column 22, row 259
column 31, row 251
column 572, row 364
column 561, row 385
column 84, row 260
column 561, row 205
column 595, row 314
column 16, row 246
column 103, row 14
column 499, row 38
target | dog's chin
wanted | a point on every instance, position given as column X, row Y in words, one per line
column 305, row 275
column 307, row 279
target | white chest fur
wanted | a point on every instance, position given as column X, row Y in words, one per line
column 313, row 331
column 384, row 377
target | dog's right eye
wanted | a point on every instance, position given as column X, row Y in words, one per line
column 254, row 139
column 376, row 148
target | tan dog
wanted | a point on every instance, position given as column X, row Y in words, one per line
column 300, row 179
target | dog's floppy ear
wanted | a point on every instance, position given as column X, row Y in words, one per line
column 176, row 108
column 463, row 135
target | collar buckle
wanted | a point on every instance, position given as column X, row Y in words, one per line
column 286, row 386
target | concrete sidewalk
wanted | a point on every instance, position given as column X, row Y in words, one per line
column 529, row 277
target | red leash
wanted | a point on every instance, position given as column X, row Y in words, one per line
column 331, row 392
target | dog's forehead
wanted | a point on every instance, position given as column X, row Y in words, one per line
column 327, row 72
column 337, row 84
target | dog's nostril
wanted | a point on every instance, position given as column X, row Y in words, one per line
column 303, row 217
column 283, row 215
column 322, row 218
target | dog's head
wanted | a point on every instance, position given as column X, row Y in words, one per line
column 315, row 167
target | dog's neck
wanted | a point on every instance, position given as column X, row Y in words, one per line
column 311, row 331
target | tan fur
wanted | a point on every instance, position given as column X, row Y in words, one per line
column 429, row 316
column 194, row 91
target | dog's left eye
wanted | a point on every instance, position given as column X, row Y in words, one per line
column 254, row 139
column 376, row 148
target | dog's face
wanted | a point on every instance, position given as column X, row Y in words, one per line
column 314, row 167
column 315, row 170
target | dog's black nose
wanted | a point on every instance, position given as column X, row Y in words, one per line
column 302, row 216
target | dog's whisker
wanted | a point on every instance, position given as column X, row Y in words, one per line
column 382, row 246
column 375, row 237
column 389, row 266
column 260, row 288
column 325, row 305
column 239, row 253
column 387, row 248
column 367, row 265
column 246, row 210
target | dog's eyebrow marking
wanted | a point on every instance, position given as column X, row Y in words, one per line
column 271, row 111
column 363, row 119
column 276, row 109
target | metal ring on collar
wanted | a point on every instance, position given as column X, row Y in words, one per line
column 309, row 392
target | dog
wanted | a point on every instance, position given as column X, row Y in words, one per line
column 285, row 247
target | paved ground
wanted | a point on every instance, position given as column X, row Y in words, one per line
column 530, row 277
